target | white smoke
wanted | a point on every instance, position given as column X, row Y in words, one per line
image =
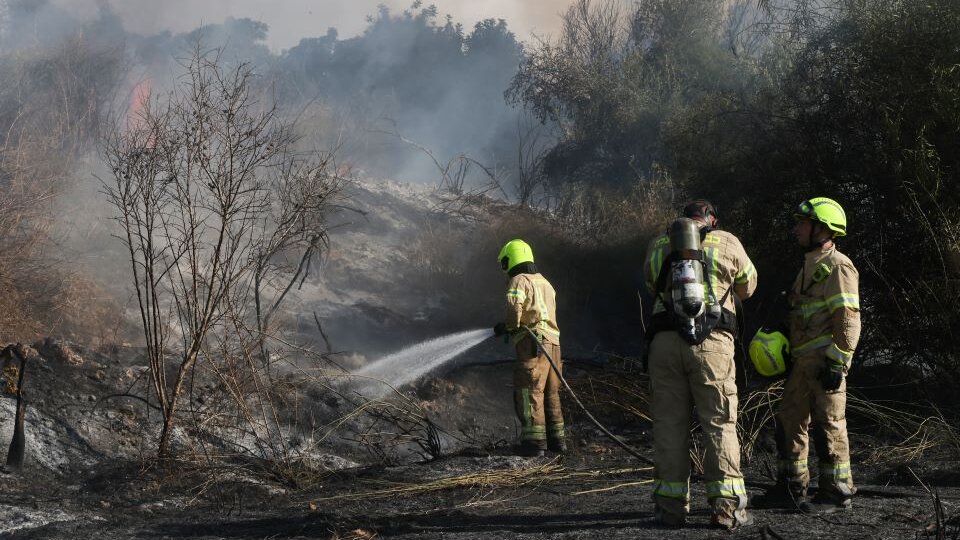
column 291, row 20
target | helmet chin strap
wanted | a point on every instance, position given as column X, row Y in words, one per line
column 817, row 244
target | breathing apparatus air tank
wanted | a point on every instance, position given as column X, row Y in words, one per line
column 687, row 291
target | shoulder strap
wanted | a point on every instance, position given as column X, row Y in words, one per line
column 660, row 284
column 704, row 231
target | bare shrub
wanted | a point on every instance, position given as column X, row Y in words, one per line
column 29, row 186
column 388, row 428
column 532, row 147
column 604, row 216
column 464, row 185
column 221, row 216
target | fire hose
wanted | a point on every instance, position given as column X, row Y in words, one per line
column 596, row 422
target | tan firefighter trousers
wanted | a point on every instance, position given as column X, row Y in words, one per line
column 684, row 376
column 536, row 394
column 804, row 399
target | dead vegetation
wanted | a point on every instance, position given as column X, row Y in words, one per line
column 51, row 103
column 221, row 216
column 486, row 482
column 390, row 428
column 901, row 433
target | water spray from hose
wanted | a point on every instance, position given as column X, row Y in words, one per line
column 413, row 362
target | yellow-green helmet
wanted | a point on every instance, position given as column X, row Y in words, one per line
column 826, row 211
column 513, row 253
column 769, row 352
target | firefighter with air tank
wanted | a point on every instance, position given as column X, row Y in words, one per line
column 697, row 274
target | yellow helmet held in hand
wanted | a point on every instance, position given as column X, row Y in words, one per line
column 513, row 253
column 826, row 211
column 770, row 352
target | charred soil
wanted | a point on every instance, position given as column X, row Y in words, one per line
column 82, row 481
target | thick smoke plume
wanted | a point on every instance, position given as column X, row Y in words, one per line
column 409, row 89
column 291, row 20
column 412, row 86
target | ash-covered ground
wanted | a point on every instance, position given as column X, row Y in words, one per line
column 90, row 473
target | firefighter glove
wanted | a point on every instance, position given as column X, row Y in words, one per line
column 831, row 376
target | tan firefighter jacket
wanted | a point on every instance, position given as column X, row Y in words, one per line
column 825, row 306
column 532, row 302
column 727, row 265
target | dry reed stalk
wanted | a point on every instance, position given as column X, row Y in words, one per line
column 918, row 433
column 757, row 410
column 537, row 474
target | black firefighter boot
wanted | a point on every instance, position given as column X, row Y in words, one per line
column 830, row 499
column 780, row 496
column 825, row 505
column 557, row 445
column 530, row 449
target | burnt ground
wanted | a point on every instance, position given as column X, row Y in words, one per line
column 90, row 474
column 126, row 502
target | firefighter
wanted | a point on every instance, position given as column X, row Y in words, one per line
column 824, row 327
column 694, row 272
column 531, row 303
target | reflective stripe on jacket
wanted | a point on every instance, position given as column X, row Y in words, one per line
column 532, row 302
column 727, row 264
column 825, row 306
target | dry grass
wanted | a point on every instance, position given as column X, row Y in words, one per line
column 51, row 102
column 757, row 411
column 917, row 432
column 542, row 473
column 914, row 428
column 614, row 394
column 355, row 534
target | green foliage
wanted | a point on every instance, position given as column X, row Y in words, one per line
column 868, row 115
column 758, row 110
column 411, row 59
column 615, row 79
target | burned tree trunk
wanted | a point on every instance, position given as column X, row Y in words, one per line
column 18, row 445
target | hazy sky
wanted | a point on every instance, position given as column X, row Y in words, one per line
column 290, row 20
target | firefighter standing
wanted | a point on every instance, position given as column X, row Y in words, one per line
column 531, row 303
column 691, row 364
column 824, row 329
